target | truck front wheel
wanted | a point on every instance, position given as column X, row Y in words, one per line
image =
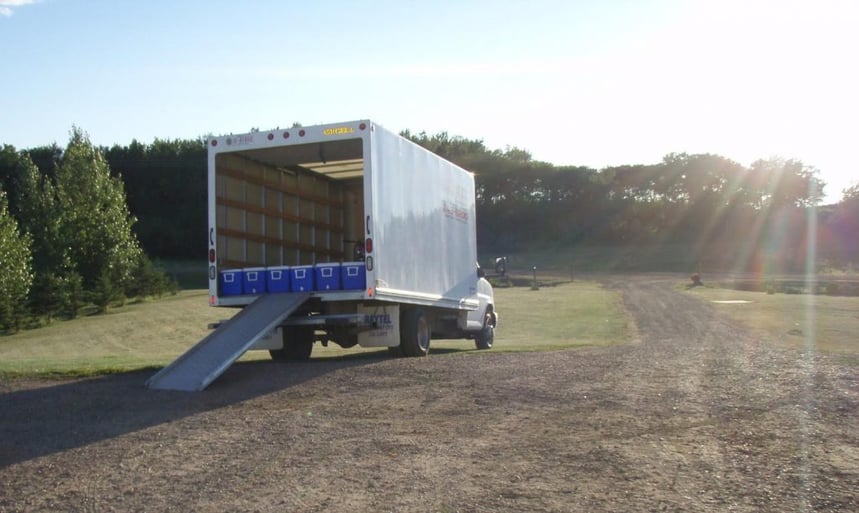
column 486, row 337
column 414, row 333
column 297, row 344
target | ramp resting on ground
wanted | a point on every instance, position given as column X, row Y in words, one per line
column 207, row 360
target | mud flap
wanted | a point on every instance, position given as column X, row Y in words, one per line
column 387, row 321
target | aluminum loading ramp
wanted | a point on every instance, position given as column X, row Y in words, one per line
column 207, row 360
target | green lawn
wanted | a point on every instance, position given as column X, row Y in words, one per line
column 559, row 317
column 131, row 337
column 814, row 322
column 153, row 333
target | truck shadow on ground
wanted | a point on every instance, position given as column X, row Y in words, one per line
column 40, row 421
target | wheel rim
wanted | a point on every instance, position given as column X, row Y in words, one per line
column 423, row 334
column 486, row 337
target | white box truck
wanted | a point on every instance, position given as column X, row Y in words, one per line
column 344, row 233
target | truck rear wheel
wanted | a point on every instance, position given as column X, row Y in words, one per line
column 297, row 344
column 414, row 333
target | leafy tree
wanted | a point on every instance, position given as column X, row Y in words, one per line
column 851, row 193
column 149, row 280
column 105, row 292
column 10, row 170
column 95, row 223
column 778, row 182
column 17, row 275
column 72, row 293
column 40, row 215
column 840, row 231
column 48, row 295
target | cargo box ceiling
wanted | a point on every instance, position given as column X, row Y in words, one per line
column 338, row 160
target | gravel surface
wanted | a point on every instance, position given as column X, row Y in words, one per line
column 694, row 415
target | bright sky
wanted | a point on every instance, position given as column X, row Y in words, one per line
column 574, row 82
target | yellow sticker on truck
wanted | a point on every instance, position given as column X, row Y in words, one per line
column 340, row 130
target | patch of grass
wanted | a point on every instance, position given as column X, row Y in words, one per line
column 673, row 257
column 131, row 337
column 560, row 316
column 813, row 322
column 588, row 258
column 822, row 284
column 153, row 333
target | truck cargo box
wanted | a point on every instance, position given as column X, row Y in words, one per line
column 332, row 194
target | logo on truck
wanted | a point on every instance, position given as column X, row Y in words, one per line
column 240, row 140
column 340, row 130
column 384, row 324
column 455, row 211
column 380, row 321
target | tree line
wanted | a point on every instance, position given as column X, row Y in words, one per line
column 763, row 217
column 66, row 235
column 86, row 217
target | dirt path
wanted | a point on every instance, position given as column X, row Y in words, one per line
column 696, row 415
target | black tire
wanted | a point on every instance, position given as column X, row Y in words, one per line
column 486, row 337
column 297, row 344
column 414, row 333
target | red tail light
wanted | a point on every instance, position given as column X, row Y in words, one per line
column 368, row 245
column 212, row 256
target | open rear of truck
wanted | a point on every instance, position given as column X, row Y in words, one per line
column 350, row 192
column 285, row 198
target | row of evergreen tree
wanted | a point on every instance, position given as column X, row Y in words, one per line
column 66, row 237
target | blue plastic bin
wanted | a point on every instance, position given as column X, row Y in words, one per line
column 328, row 276
column 231, row 282
column 301, row 278
column 254, row 280
column 277, row 279
column 354, row 275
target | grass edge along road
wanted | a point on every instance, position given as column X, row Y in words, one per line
column 154, row 333
column 802, row 321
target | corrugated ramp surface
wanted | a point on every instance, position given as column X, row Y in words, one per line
column 207, row 360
